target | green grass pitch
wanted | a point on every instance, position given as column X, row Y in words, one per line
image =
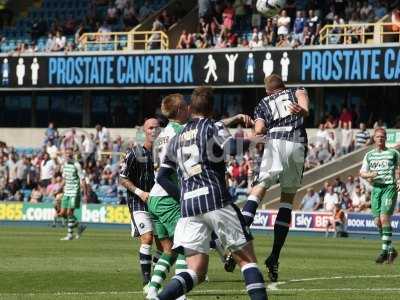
column 34, row 264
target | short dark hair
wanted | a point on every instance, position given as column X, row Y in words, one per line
column 202, row 101
column 274, row 83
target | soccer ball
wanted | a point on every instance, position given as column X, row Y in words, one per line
column 270, row 8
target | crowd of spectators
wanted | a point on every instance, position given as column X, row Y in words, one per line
column 352, row 195
column 36, row 177
column 237, row 23
column 338, row 134
column 103, row 16
column 222, row 23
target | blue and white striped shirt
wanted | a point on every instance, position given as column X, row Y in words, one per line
column 138, row 167
column 280, row 122
column 198, row 155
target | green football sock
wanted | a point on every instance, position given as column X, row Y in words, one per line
column 386, row 239
column 161, row 270
column 180, row 265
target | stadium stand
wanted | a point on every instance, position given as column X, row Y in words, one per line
column 51, row 25
column 21, row 168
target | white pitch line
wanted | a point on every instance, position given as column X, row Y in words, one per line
column 206, row 292
column 272, row 287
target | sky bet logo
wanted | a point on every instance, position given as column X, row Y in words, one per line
column 311, row 220
column 122, row 70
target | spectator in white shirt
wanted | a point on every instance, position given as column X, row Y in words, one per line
column 330, row 199
column 50, row 43
column 322, row 136
column 102, row 135
column 47, row 170
column 350, row 184
column 359, row 200
column 310, row 201
column 60, row 42
column 283, row 23
column 347, row 139
column 88, row 146
column 52, row 150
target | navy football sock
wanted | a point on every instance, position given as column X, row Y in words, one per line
column 254, row 280
column 249, row 209
column 281, row 229
column 179, row 285
column 145, row 262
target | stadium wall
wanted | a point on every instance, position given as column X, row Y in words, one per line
column 224, row 68
column 118, row 214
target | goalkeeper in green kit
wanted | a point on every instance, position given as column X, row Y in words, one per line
column 379, row 168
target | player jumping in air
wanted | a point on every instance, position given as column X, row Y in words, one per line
column 206, row 206
column 137, row 176
column 279, row 117
column 379, row 167
column 72, row 180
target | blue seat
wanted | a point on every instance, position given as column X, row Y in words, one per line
column 26, row 194
column 47, row 199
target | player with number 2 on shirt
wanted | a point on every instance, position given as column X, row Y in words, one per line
column 197, row 153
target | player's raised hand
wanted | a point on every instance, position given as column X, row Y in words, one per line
column 246, row 120
column 295, row 108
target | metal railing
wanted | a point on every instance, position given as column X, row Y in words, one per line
column 360, row 33
column 120, row 41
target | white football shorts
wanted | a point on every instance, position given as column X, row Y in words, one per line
column 283, row 162
column 141, row 223
column 194, row 233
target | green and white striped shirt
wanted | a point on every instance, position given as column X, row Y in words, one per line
column 384, row 163
column 161, row 146
column 72, row 174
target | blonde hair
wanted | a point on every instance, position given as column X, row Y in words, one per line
column 171, row 104
column 380, row 129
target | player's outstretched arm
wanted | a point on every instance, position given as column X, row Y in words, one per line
column 246, row 120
